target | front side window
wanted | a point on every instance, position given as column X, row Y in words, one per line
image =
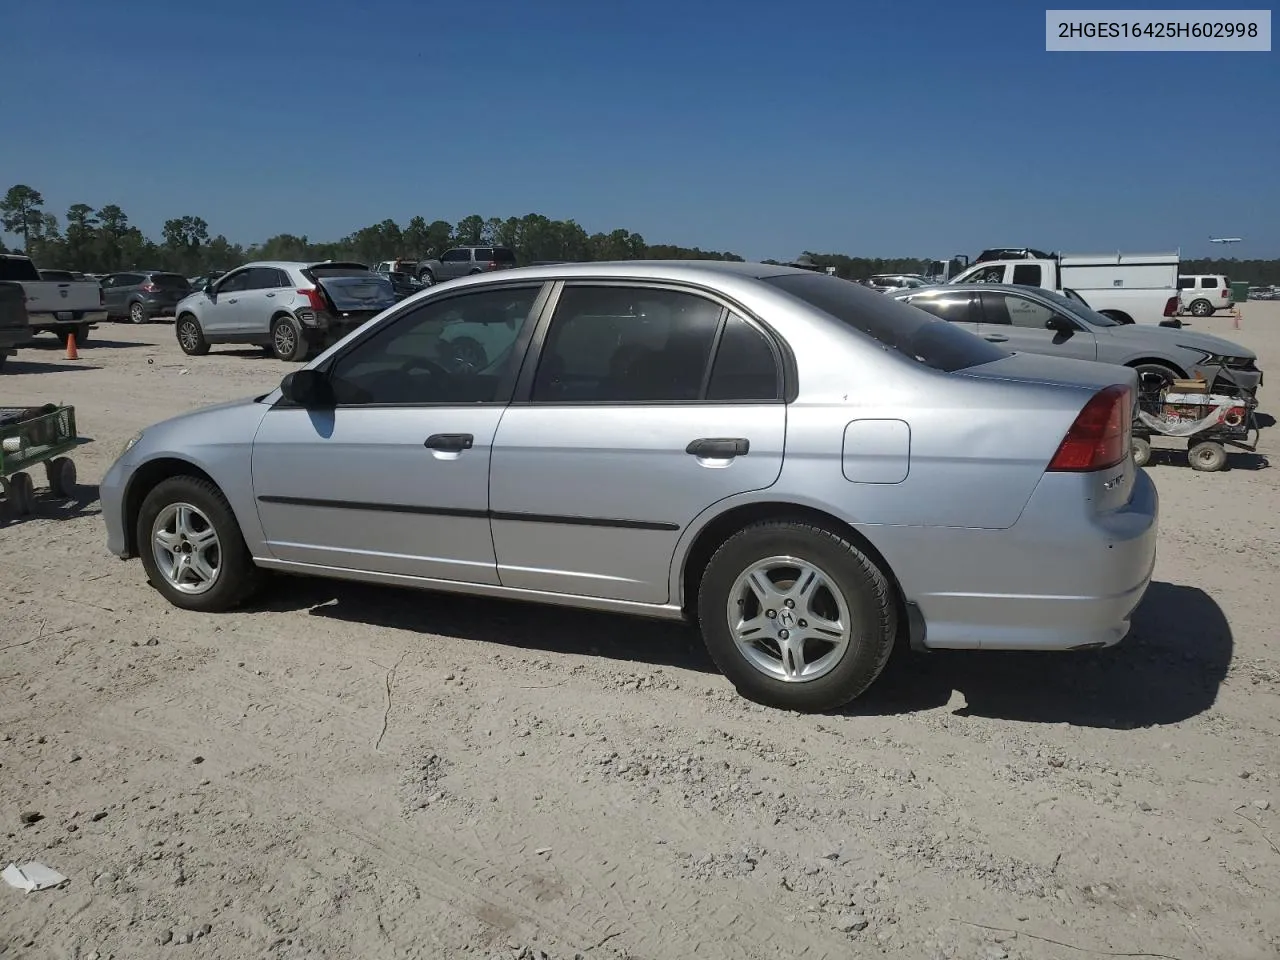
column 236, row 282
column 626, row 345
column 456, row 350
column 988, row 275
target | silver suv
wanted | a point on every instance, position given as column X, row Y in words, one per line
column 288, row 308
column 465, row 261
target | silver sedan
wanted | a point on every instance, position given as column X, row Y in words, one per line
column 809, row 470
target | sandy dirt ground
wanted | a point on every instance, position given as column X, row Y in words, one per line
column 354, row 772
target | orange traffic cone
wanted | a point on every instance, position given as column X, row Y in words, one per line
column 72, row 352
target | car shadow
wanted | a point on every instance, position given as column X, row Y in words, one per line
column 509, row 623
column 53, row 344
column 1236, row 459
column 249, row 353
column 14, row 367
column 1264, row 420
column 48, row 507
column 1167, row 670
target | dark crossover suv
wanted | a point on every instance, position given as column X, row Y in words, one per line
column 142, row 295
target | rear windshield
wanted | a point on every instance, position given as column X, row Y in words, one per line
column 61, row 276
column 170, row 281
column 18, row 268
column 898, row 326
column 338, row 270
column 502, row 255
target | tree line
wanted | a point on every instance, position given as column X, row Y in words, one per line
column 102, row 240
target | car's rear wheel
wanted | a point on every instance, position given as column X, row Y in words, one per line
column 287, row 341
column 1201, row 308
column 137, row 313
column 796, row 616
column 192, row 548
column 190, row 336
column 1141, row 451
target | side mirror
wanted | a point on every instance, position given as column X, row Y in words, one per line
column 307, row 388
column 1060, row 324
column 207, row 289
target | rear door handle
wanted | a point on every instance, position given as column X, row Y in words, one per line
column 719, row 448
column 995, row 338
column 270, row 294
column 452, row 442
column 233, row 300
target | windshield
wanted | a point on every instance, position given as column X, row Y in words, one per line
column 1078, row 307
column 906, row 329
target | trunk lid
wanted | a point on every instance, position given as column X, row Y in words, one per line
column 363, row 293
column 1085, row 375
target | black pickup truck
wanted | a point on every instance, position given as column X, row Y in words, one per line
column 15, row 327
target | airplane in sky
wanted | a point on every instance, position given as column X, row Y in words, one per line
column 1225, row 239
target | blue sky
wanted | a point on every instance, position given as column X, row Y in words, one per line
column 919, row 129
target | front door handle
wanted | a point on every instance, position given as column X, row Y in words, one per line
column 270, row 294
column 233, row 300
column 450, row 442
column 995, row 338
column 719, row 448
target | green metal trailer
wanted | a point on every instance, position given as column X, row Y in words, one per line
column 34, row 435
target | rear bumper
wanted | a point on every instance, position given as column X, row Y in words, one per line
column 325, row 328
column 50, row 321
column 1056, row 580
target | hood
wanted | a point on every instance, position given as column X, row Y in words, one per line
column 1142, row 335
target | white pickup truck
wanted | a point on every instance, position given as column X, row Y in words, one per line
column 57, row 306
column 1127, row 287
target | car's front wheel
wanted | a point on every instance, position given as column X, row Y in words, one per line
column 192, row 548
column 796, row 616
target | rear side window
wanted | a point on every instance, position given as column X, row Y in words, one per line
column 1027, row 274
column 627, row 345
column 455, row 256
column 745, row 368
column 504, row 255
column 912, row 333
column 483, row 255
column 170, row 281
column 128, row 279
column 953, row 307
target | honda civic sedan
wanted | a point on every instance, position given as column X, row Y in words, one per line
column 808, row 470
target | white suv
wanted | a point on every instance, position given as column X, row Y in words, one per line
column 1202, row 294
column 288, row 308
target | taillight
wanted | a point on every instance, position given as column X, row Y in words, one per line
column 1101, row 435
column 148, row 288
column 493, row 264
column 1171, row 307
column 315, row 298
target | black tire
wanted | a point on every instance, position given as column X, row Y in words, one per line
column 82, row 334
column 287, row 341
column 1152, row 379
column 426, row 278
column 237, row 576
column 190, row 336
column 1141, row 452
column 1201, row 308
column 138, row 313
column 60, row 472
column 21, row 493
column 1207, row 456
column 3, row 358
column 866, row 592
